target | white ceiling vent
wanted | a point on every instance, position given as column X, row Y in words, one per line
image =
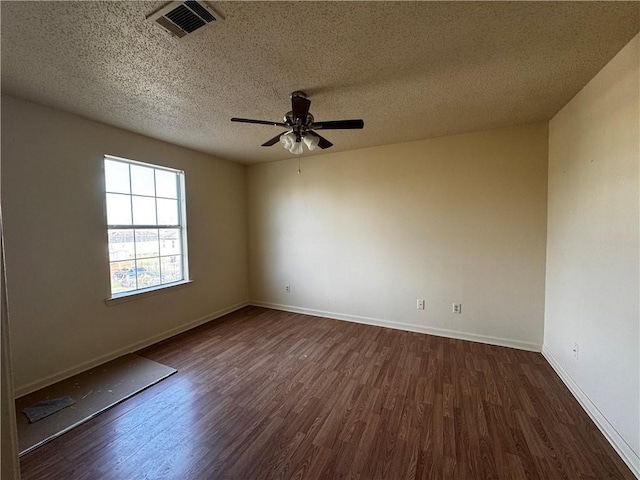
column 182, row 18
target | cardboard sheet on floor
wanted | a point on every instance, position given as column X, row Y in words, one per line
column 93, row 391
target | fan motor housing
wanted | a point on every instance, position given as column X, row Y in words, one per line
column 289, row 120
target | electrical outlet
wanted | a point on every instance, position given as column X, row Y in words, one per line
column 457, row 308
column 575, row 350
column 287, row 288
column 420, row 304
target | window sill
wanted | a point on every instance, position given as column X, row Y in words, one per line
column 148, row 292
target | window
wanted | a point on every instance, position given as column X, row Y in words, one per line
column 146, row 226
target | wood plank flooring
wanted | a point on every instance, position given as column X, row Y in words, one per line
column 265, row 394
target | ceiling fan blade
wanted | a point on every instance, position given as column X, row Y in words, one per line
column 300, row 107
column 338, row 125
column 323, row 143
column 260, row 122
column 273, row 141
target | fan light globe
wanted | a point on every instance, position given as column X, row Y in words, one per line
column 288, row 139
column 296, row 149
column 311, row 141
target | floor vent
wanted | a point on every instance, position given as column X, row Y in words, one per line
column 181, row 18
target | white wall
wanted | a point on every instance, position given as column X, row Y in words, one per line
column 592, row 281
column 56, row 243
column 362, row 235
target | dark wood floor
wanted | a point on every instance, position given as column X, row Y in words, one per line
column 267, row 394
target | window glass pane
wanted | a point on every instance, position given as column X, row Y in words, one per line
column 148, row 272
column 167, row 212
column 147, row 243
column 170, row 241
column 139, row 198
column 119, row 277
column 166, row 184
column 121, row 245
column 144, row 211
column 171, row 269
column 116, row 176
column 118, row 209
column 142, row 182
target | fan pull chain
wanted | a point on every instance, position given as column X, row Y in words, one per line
column 299, row 171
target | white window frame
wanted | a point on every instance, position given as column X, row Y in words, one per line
column 181, row 225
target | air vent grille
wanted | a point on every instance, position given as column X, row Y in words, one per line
column 171, row 27
column 182, row 18
column 200, row 11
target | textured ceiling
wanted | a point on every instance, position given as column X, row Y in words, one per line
column 411, row 70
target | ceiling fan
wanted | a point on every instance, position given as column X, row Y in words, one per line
column 301, row 126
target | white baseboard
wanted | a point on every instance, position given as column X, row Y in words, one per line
column 627, row 454
column 440, row 332
column 21, row 390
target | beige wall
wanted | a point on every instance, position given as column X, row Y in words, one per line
column 362, row 235
column 592, row 283
column 56, row 252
